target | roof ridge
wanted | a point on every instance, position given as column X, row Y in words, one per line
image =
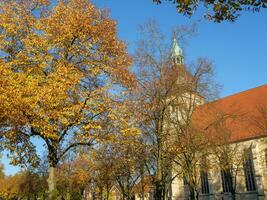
column 242, row 92
column 244, row 105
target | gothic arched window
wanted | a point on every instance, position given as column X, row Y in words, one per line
column 249, row 171
column 204, row 182
column 227, row 180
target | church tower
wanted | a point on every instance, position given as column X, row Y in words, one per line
column 176, row 55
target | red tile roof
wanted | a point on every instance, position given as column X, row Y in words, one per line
column 245, row 109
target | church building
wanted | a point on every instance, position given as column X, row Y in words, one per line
column 248, row 132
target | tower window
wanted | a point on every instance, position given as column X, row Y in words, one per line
column 227, row 181
column 249, row 171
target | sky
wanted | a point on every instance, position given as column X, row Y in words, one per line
column 238, row 50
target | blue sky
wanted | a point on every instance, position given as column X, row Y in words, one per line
column 238, row 50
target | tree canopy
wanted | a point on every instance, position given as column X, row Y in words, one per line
column 218, row 10
column 62, row 70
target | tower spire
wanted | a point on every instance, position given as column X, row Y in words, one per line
column 177, row 56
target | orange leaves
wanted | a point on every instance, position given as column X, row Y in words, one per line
column 14, row 18
column 81, row 170
column 81, row 29
column 8, row 188
column 69, row 17
column 74, row 176
column 60, row 69
column 24, row 184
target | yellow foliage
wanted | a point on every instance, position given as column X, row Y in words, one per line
column 56, row 71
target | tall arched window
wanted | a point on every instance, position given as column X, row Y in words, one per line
column 204, row 182
column 227, row 180
column 204, row 176
column 249, row 171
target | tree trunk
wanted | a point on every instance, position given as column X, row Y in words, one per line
column 51, row 182
column 53, row 161
column 233, row 195
column 158, row 190
column 163, row 191
column 166, row 191
column 128, row 195
column 82, row 192
column 107, row 196
column 197, row 194
column 142, row 184
column 108, row 188
column 101, row 193
column 192, row 193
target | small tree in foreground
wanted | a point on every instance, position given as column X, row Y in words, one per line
column 224, row 155
column 27, row 184
column 229, row 156
column 190, row 144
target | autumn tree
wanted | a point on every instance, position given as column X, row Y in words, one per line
column 81, row 175
column 32, row 185
column 144, row 166
column 97, row 170
column 25, row 184
column 218, row 11
column 58, row 65
column 260, row 121
column 187, row 144
column 169, row 92
column 8, row 187
column 116, row 162
column 2, row 174
column 229, row 156
column 230, row 159
column 190, row 150
column 153, row 63
column 126, row 171
column 103, row 165
column 72, row 176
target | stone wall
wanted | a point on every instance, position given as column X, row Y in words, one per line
column 258, row 148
